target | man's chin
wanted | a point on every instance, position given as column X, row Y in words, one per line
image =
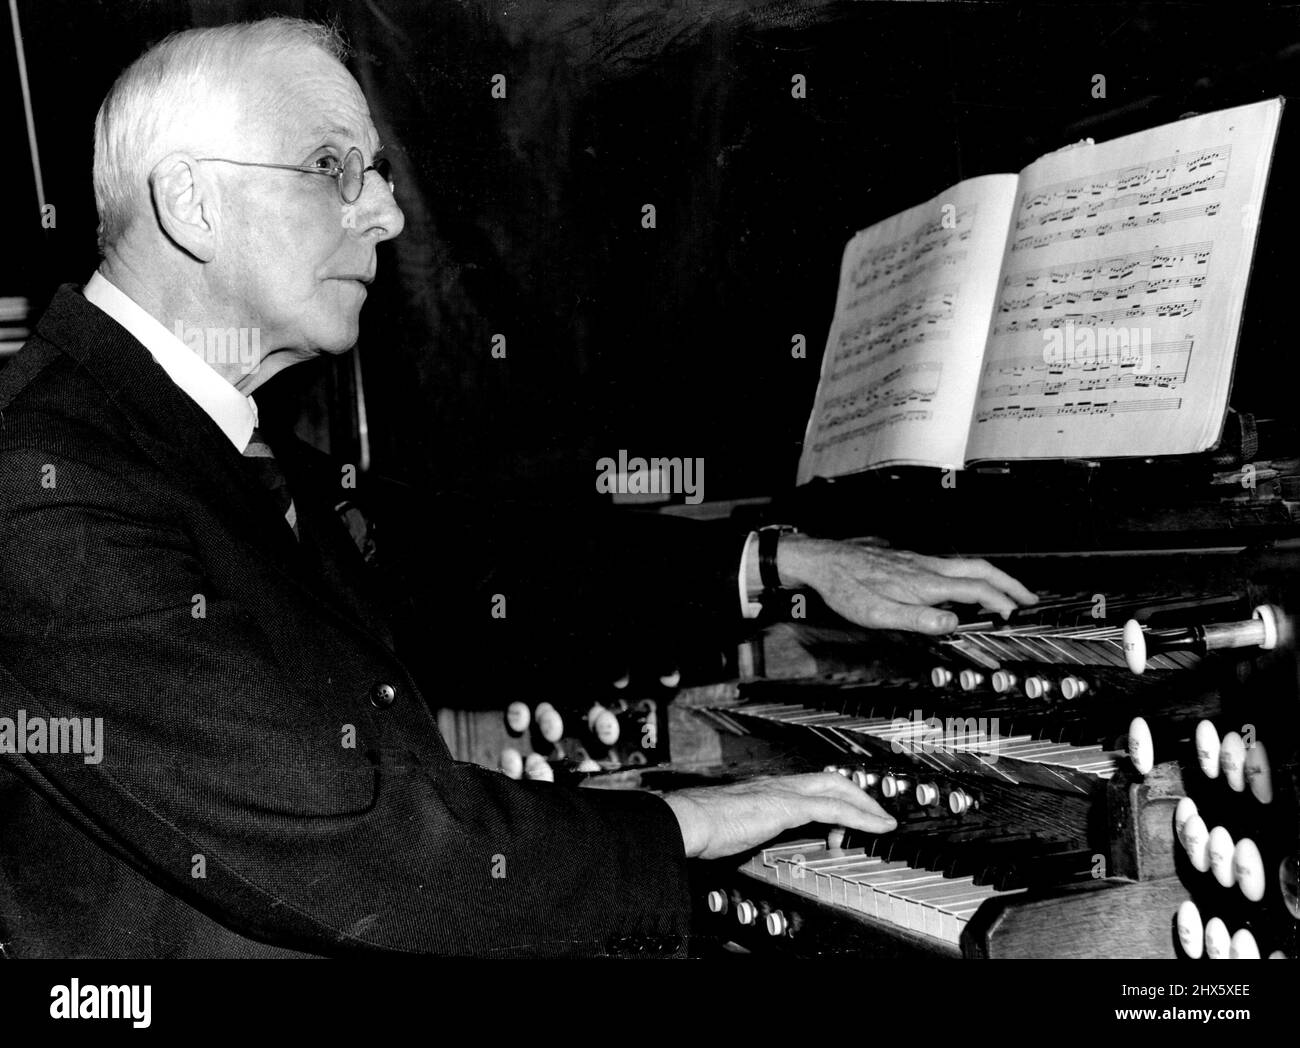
column 339, row 340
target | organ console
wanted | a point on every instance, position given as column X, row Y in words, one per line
column 1063, row 786
column 1110, row 773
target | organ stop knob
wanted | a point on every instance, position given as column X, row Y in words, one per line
column 1263, row 631
column 518, row 717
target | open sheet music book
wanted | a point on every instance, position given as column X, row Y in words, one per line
column 1088, row 307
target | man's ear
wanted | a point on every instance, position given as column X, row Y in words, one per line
column 184, row 199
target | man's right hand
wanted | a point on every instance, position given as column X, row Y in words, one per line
column 723, row 820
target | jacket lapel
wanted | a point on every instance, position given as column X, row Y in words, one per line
column 188, row 446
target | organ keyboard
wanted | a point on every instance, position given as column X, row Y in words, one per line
column 1035, row 776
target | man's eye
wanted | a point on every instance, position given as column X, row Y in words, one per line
column 328, row 163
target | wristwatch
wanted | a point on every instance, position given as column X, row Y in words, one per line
column 768, row 539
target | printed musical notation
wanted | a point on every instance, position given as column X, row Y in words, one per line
column 1046, row 300
column 1163, row 365
column 1101, row 229
column 1159, row 310
column 870, row 428
column 912, row 313
column 1138, row 275
column 1093, row 271
column 914, row 383
column 880, row 334
column 932, row 237
column 1044, row 314
column 1105, row 185
column 1125, row 202
column 1092, row 408
column 907, row 277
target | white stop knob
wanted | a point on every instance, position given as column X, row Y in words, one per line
column 1243, row 946
column 1217, row 940
column 1207, row 749
column 1135, row 646
column 512, row 763
column 537, row 768
column 1141, row 747
column 1222, row 847
column 1232, row 759
column 518, row 717
column 1248, row 869
column 1191, row 933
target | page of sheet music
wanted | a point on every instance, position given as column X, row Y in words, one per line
column 903, row 356
column 1121, row 294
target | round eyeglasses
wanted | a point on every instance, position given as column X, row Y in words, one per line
column 350, row 174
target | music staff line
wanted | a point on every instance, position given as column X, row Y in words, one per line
column 1119, row 179
column 1155, row 196
column 913, row 415
column 926, row 238
column 1046, row 300
column 1115, row 267
column 1021, row 412
column 1162, row 310
column 910, row 276
column 873, row 387
column 941, row 335
column 1051, row 388
column 1021, row 365
column 1102, row 229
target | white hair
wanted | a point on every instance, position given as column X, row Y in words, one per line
column 180, row 94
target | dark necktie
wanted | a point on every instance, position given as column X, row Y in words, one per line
column 262, row 462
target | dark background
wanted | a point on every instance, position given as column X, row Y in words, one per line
column 523, row 214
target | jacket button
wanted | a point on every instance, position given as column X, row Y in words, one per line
column 382, row 695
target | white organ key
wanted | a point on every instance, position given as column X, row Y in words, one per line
column 1185, row 810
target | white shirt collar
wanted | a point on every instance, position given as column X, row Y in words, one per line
column 234, row 413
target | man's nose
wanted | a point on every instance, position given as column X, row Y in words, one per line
column 377, row 214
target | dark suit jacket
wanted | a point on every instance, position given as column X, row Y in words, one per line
column 256, row 795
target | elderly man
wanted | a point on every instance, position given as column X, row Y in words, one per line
column 270, row 780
